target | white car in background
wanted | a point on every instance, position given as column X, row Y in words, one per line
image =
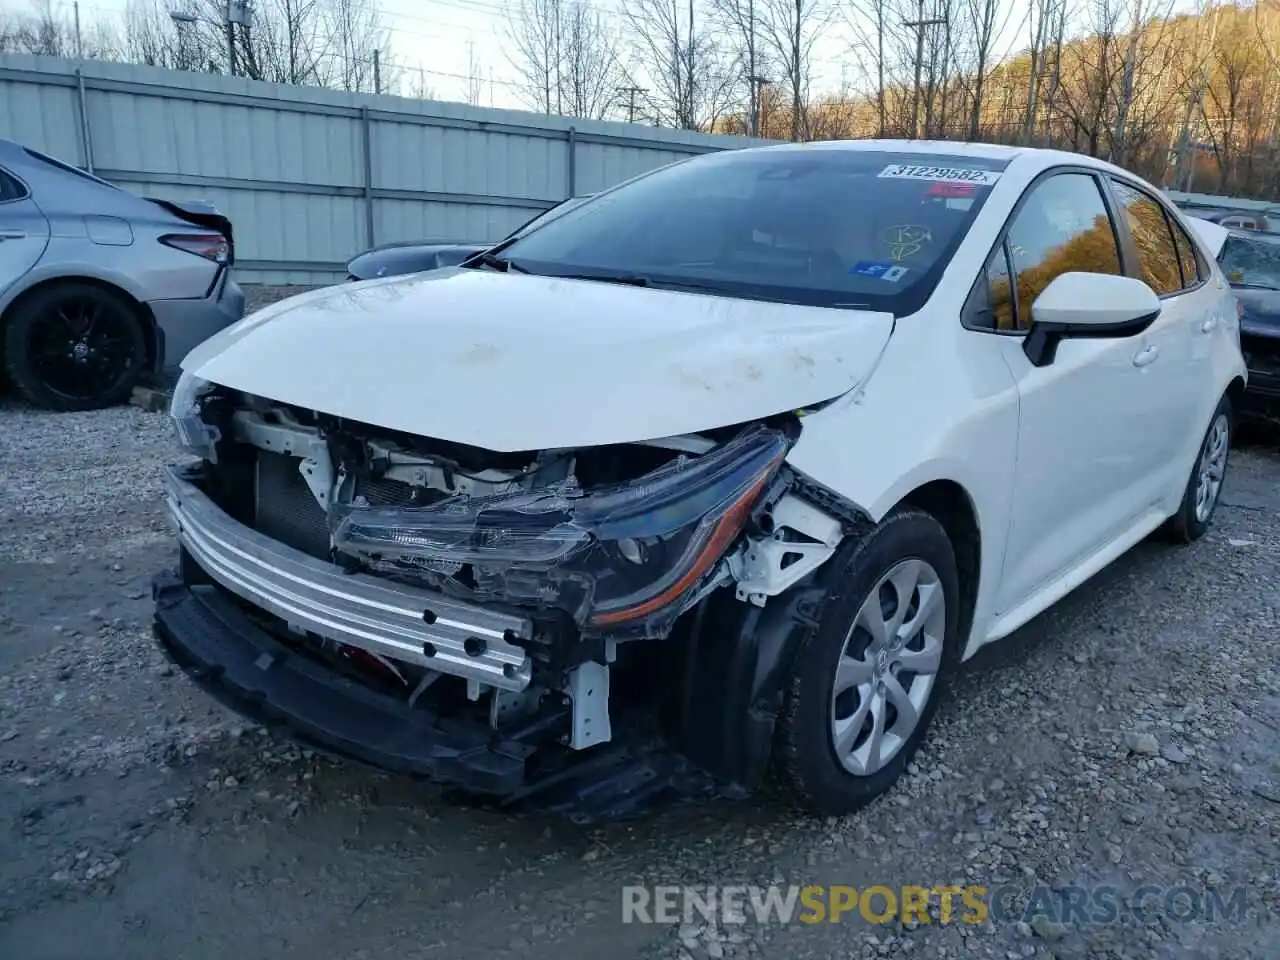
column 726, row 469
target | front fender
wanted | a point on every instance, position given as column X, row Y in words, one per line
column 958, row 424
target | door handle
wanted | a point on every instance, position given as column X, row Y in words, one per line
column 12, row 235
column 1206, row 326
column 1146, row 355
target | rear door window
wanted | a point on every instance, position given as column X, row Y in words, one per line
column 1158, row 261
column 1192, row 273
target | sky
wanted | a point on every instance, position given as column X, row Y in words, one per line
column 443, row 38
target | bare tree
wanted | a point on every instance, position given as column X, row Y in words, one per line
column 416, row 84
column 591, row 70
column 692, row 85
column 987, row 20
column 475, row 83
column 879, row 34
column 790, row 29
column 41, row 31
column 740, row 21
column 534, row 50
column 301, row 41
column 358, row 43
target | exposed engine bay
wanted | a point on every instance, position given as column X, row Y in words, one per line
column 591, row 550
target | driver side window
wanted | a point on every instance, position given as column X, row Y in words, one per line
column 1062, row 226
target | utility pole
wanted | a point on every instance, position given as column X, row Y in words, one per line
column 918, row 25
column 237, row 12
column 630, row 93
column 231, row 38
column 751, row 68
column 182, row 23
column 377, row 72
column 757, row 85
column 79, row 42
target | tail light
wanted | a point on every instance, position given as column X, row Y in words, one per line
column 211, row 246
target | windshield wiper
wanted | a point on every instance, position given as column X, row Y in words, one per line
column 490, row 259
column 1254, row 286
column 630, row 279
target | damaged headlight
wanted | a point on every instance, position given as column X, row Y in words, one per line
column 619, row 558
column 194, row 435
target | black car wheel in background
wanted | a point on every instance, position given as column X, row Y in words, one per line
column 74, row 346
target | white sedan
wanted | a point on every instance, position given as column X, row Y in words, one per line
column 724, row 470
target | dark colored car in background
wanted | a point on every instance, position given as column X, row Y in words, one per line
column 411, row 256
column 1251, row 262
column 408, row 256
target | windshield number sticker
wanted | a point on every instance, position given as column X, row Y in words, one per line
column 878, row 270
column 911, row 171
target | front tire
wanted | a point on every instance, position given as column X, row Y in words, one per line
column 866, row 681
column 74, row 346
column 1204, row 487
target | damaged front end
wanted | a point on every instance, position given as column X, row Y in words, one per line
column 494, row 620
column 622, row 559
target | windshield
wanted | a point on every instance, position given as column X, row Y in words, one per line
column 1254, row 263
column 823, row 227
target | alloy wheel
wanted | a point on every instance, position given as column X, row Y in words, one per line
column 1212, row 468
column 888, row 667
column 82, row 348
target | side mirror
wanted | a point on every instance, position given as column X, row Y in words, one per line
column 1077, row 305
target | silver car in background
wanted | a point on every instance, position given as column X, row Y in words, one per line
column 99, row 287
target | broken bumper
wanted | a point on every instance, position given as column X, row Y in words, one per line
column 248, row 670
column 378, row 616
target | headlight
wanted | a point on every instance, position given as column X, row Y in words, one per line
column 619, row 559
column 194, row 435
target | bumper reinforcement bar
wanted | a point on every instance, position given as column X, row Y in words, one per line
column 379, row 616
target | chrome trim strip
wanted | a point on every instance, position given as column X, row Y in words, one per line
column 378, row 616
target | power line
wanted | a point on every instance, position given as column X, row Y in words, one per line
column 630, row 93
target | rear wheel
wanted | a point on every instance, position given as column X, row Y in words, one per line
column 866, row 682
column 1204, row 487
column 74, row 346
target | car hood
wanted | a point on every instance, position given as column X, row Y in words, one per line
column 1213, row 235
column 518, row 362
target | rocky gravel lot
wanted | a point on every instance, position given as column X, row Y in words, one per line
column 1129, row 737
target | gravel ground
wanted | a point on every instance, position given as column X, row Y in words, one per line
column 1127, row 737
column 258, row 295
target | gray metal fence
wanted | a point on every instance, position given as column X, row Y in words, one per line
column 310, row 177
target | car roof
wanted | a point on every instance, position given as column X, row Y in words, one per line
column 1030, row 159
column 1258, row 236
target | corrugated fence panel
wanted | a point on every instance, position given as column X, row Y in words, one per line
column 45, row 118
column 468, row 222
column 312, row 177
column 601, row 165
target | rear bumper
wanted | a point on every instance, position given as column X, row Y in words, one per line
column 184, row 324
column 1264, row 382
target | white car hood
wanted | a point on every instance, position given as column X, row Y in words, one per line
column 1214, row 235
column 512, row 362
